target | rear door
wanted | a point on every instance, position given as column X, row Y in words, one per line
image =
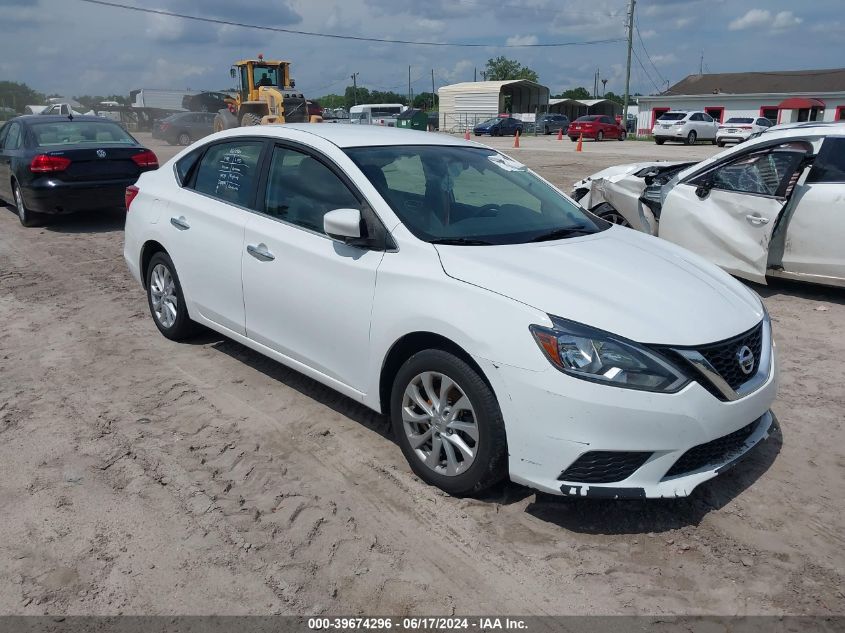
column 205, row 229
column 815, row 234
column 727, row 214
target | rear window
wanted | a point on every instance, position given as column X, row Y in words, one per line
column 70, row 132
column 673, row 116
column 829, row 165
column 738, row 119
column 592, row 117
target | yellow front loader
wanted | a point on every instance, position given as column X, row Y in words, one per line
column 266, row 94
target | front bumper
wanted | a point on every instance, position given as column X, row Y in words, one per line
column 552, row 419
column 55, row 197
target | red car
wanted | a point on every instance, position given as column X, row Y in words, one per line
column 596, row 126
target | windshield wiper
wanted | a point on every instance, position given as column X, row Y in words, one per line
column 557, row 234
column 461, row 241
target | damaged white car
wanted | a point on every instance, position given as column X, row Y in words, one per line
column 774, row 205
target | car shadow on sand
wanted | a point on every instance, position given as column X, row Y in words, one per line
column 589, row 516
column 643, row 516
column 802, row 290
column 105, row 221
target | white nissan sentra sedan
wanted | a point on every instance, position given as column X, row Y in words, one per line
column 503, row 329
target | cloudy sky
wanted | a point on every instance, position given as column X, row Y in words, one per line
column 73, row 47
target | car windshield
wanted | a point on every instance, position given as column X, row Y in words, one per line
column 470, row 196
column 673, row 116
column 739, row 120
column 80, row 132
column 491, row 121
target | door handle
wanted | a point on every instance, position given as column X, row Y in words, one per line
column 180, row 223
column 757, row 220
column 260, row 252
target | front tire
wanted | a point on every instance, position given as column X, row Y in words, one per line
column 660, row 141
column 166, row 300
column 448, row 424
column 27, row 218
column 608, row 213
column 600, row 136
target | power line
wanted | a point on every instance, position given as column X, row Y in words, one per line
column 358, row 38
column 642, row 43
column 645, row 72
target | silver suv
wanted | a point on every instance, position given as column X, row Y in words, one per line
column 687, row 127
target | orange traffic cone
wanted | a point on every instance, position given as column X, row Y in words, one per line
column 560, row 134
column 466, row 135
column 516, row 140
column 580, row 142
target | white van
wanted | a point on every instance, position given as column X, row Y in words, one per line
column 376, row 113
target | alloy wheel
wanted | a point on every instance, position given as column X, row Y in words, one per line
column 440, row 423
column 163, row 296
column 20, row 205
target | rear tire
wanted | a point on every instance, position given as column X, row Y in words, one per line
column 478, row 428
column 184, row 139
column 691, row 138
column 166, row 300
column 27, row 218
column 599, row 136
column 623, row 136
column 573, row 138
column 720, row 143
column 250, row 119
column 660, row 141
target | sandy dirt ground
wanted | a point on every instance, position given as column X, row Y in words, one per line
column 144, row 476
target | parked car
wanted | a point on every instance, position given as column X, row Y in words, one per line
column 596, row 126
column 499, row 126
column 63, row 109
column 205, row 101
column 773, row 206
column 686, row 127
column 480, row 309
column 52, row 164
column 739, row 128
column 184, row 128
column 552, row 123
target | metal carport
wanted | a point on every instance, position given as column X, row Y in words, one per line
column 471, row 102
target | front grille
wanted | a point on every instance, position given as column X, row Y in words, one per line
column 723, row 356
column 716, row 452
column 604, row 467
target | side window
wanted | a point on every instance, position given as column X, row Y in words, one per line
column 301, row 190
column 706, row 117
column 228, row 171
column 829, row 165
column 13, row 137
column 695, row 117
column 3, row 132
column 766, row 173
column 185, row 166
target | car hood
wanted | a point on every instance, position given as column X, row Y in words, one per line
column 618, row 280
column 618, row 172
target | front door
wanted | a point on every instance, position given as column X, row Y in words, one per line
column 308, row 296
column 206, row 221
column 6, row 161
column 728, row 213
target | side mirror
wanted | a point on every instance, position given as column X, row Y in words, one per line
column 703, row 189
column 343, row 225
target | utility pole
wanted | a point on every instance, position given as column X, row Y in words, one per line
column 628, row 64
column 355, row 87
column 603, row 87
column 475, row 74
column 432, row 89
column 410, row 102
column 701, row 64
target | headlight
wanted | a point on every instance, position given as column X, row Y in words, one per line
column 591, row 354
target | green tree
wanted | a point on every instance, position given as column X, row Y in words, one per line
column 575, row 93
column 501, row 68
column 425, row 101
column 18, row 95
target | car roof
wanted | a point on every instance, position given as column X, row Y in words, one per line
column 46, row 118
column 351, row 135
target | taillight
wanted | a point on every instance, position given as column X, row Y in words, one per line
column 45, row 164
column 131, row 192
column 146, row 159
column 164, row 126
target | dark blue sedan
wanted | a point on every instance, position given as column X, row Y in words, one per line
column 499, row 126
column 59, row 164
